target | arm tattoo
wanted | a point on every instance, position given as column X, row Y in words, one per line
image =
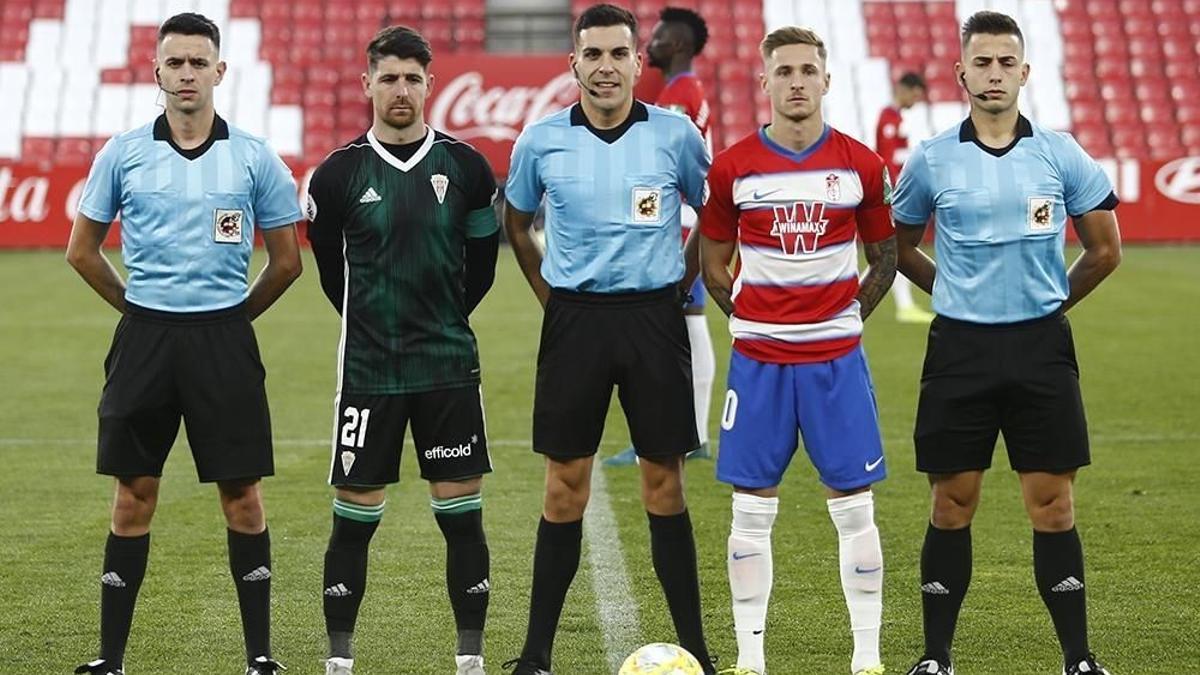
column 881, row 258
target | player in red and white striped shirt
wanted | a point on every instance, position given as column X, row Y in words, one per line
column 793, row 199
column 891, row 142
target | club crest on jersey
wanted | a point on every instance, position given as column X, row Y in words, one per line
column 227, row 226
column 799, row 226
column 647, row 205
column 833, row 188
column 1041, row 214
column 440, row 183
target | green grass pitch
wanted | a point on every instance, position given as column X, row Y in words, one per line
column 1137, row 506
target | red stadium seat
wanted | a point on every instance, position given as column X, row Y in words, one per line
column 940, row 11
column 1087, row 113
column 1141, row 27
column 1107, row 28
column 1108, row 69
column 1145, row 68
column 1188, row 113
column 1181, row 70
column 909, row 12
column 1119, row 113
column 1145, row 47
column 244, row 8
column 1152, row 89
column 1136, row 8
column 1103, row 9
column 1157, row 113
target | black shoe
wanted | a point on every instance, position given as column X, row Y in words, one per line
column 262, row 665
column 931, row 667
column 1088, row 665
column 101, row 667
column 524, row 667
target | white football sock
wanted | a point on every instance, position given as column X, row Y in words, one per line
column 902, row 292
column 704, row 369
column 750, row 574
column 861, row 559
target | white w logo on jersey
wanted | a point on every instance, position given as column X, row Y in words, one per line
column 801, row 225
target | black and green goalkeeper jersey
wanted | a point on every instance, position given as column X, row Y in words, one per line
column 398, row 219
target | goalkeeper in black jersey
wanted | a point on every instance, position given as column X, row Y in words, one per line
column 405, row 238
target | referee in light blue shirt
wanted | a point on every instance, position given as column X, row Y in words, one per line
column 191, row 190
column 611, row 171
column 1000, row 357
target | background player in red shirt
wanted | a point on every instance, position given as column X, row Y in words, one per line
column 793, row 199
column 678, row 37
column 892, row 144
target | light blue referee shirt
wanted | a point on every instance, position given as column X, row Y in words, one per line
column 1001, row 217
column 612, row 196
column 188, row 216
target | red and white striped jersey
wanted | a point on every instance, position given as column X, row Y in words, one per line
column 796, row 218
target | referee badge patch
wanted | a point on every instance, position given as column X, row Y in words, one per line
column 227, row 226
column 1041, row 211
column 647, row 205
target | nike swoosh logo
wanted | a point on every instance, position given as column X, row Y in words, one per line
column 744, row 555
column 759, row 195
column 870, row 466
column 859, row 570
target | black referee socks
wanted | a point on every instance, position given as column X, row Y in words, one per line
column 1058, row 571
column 673, row 550
column 945, row 576
column 124, row 568
column 555, row 561
column 250, row 564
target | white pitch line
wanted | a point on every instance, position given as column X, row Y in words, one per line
column 615, row 605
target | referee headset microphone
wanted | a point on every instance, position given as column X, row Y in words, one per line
column 158, row 81
column 579, row 80
column 962, row 78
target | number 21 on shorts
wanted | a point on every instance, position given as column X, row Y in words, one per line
column 354, row 428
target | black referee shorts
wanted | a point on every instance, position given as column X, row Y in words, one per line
column 592, row 341
column 203, row 367
column 1019, row 379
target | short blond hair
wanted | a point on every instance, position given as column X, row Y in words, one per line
column 792, row 35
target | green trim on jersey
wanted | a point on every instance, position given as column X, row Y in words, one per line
column 482, row 223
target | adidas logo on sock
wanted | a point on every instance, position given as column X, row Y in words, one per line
column 112, row 579
column 370, row 197
column 935, row 588
column 481, row 587
column 338, row 591
column 1067, row 585
column 259, row 574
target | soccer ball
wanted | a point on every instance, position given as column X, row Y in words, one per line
column 661, row 659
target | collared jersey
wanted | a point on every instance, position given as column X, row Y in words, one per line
column 188, row 216
column 401, row 227
column 1000, row 218
column 796, row 217
column 612, row 197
